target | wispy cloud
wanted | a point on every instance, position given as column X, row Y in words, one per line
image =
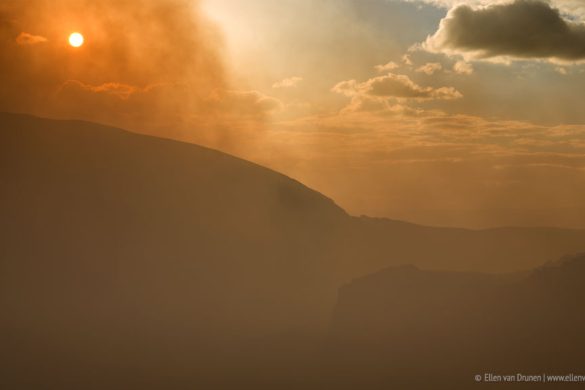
column 386, row 67
column 430, row 68
column 25, row 38
column 462, row 67
column 288, row 82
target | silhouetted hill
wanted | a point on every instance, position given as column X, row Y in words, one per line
column 408, row 327
column 143, row 255
column 506, row 249
column 135, row 260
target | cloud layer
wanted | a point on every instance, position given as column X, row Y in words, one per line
column 436, row 168
column 395, row 86
column 521, row 29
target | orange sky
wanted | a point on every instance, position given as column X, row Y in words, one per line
column 377, row 104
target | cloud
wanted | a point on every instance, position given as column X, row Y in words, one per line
column 122, row 91
column 407, row 60
column 402, row 86
column 25, row 38
column 386, row 67
column 395, row 86
column 251, row 103
column 378, row 106
column 522, row 29
column 430, row 68
column 348, row 88
column 288, row 82
column 462, row 67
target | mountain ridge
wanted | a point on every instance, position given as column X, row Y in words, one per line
column 402, row 324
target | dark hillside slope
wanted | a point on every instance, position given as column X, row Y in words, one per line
column 132, row 253
column 82, row 203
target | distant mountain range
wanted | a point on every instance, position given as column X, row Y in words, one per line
column 138, row 261
column 406, row 327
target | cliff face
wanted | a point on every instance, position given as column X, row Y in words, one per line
column 448, row 327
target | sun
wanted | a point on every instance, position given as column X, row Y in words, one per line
column 76, row 39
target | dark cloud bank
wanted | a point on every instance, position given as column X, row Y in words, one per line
column 522, row 29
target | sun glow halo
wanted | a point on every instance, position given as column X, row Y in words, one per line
column 76, row 39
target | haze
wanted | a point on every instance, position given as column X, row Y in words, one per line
column 295, row 194
column 367, row 102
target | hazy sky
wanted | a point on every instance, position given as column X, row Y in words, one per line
column 444, row 112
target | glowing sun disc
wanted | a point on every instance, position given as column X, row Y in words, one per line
column 76, row 39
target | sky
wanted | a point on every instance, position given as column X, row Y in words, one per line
column 442, row 112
